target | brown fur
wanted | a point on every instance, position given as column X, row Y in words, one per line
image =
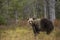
column 42, row 25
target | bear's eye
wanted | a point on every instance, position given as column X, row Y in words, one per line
column 30, row 22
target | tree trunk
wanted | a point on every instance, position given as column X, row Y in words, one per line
column 49, row 9
column 45, row 9
column 51, row 13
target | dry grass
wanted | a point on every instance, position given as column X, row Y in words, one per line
column 57, row 23
column 24, row 34
column 57, row 26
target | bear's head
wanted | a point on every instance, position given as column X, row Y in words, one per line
column 30, row 20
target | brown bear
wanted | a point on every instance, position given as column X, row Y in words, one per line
column 41, row 25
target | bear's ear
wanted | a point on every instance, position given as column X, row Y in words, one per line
column 27, row 19
column 34, row 18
